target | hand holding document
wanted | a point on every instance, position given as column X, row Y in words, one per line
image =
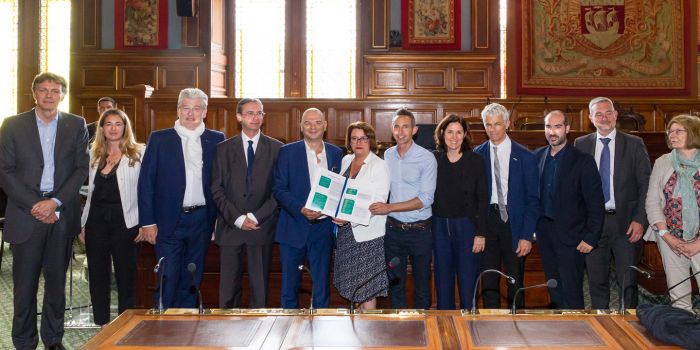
column 340, row 197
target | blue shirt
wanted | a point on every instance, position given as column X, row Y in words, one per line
column 549, row 180
column 412, row 176
column 47, row 138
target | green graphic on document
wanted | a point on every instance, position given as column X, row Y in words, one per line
column 348, row 205
column 352, row 191
column 324, row 182
column 319, row 200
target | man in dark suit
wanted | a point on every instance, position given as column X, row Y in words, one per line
column 571, row 198
column 623, row 164
column 242, row 191
column 176, row 209
column 514, row 208
column 43, row 163
column 303, row 233
column 103, row 104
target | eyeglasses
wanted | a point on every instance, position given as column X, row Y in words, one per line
column 675, row 131
column 362, row 139
column 251, row 114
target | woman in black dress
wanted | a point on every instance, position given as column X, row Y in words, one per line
column 459, row 213
column 110, row 217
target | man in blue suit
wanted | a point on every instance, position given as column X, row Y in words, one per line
column 303, row 233
column 176, row 209
column 512, row 175
column 573, row 211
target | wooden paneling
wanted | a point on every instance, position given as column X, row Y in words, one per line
column 98, row 77
column 390, row 79
column 430, row 78
column 135, row 75
column 379, row 28
column 178, row 78
column 89, row 23
column 338, row 120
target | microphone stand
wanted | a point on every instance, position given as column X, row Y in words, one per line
column 551, row 283
column 510, row 280
column 623, row 311
column 158, row 270
column 311, row 302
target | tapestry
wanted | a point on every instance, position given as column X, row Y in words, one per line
column 141, row 24
column 431, row 25
column 604, row 47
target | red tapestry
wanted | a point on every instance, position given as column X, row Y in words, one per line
column 431, row 25
column 140, row 24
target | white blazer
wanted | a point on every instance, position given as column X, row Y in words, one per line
column 374, row 171
column 127, row 179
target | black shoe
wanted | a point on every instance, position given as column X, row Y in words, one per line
column 57, row 346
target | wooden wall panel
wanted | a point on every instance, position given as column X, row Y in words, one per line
column 390, row 79
column 135, row 75
column 178, row 78
column 98, row 77
column 338, row 120
column 482, row 19
column 379, row 26
column 472, row 79
column 430, row 78
column 89, row 24
column 282, row 125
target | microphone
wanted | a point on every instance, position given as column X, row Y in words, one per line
column 394, row 262
column 510, row 280
column 624, row 283
column 157, row 269
column 311, row 302
column 192, row 267
column 551, row 283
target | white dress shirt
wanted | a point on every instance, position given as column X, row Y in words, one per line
column 610, row 204
column 315, row 161
column 504, row 161
column 239, row 221
column 194, row 188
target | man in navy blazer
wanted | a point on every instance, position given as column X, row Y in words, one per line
column 572, row 204
column 176, row 209
column 513, row 209
column 303, row 233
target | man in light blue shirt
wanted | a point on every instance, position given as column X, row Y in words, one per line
column 413, row 174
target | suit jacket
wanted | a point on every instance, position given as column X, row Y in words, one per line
column 523, row 195
column 376, row 172
column 291, row 186
column 631, row 174
column 162, row 179
column 579, row 207
column 127, row 179
column 21, row 164
column 228, row 190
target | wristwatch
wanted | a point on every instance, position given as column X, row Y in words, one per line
column 662, row 232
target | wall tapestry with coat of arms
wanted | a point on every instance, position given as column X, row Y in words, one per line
column 604, row 47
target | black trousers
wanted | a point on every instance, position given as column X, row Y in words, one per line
column 47, row 250
column 418, row 246
column 499, row 250
column 259, row 259
column 107, row 240
column 615, row 244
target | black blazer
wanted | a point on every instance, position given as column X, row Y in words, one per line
column 579, row 206
column 21, row 166
column 631, row 176
column 228, row 191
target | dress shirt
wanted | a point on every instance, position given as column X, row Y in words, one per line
column 504, row 161
column 194, row 188
column 412, row 175
column 610, row 204
column 549, row 181
column 239, row 221
column 47, row 136
column 315, row 161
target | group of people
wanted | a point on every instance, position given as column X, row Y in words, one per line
column 468, row 209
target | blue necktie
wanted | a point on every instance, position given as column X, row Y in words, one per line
column 604, row 168
column 249, row 171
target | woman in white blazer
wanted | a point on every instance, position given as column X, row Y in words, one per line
column 359, row 251
column 110, row 217
column 672, row 206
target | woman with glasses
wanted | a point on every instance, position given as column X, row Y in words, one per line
column 672, row 205
column 459, row 213
column 359, row 251
column 110, row 217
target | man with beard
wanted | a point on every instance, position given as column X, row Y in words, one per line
column 572, row 204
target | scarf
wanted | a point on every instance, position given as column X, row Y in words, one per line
column 685, row 169
column 192, row 147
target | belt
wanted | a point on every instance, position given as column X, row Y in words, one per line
column 409, row 226
column 47, row 194
column 192, row 208
column 610, row 211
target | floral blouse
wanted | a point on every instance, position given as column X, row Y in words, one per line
column 674, row 205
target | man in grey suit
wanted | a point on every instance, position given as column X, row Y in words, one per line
column 43, row 163
column 242, row 190
column 623, row 164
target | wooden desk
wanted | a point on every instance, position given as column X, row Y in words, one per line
column 407, row 329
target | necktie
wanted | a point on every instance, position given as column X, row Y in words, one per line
column 249, row 171
column 499, row 191
column 604, row 168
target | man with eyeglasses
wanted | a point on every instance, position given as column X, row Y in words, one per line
column 624, row 168
column 176, row 209
column 304, row 233
column 242, row 190
column 43, row 163
column 571, row 199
